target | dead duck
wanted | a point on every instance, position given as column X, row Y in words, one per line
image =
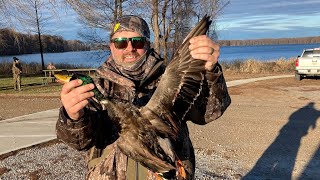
column 147, row 133
column 86, row 79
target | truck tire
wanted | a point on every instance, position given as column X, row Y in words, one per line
column 298, row 77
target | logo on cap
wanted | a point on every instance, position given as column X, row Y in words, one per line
column 116, row 27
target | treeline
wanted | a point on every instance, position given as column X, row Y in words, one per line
column 304, row 40
column 14, row 43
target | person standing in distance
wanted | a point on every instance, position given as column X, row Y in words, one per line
column 16, row 71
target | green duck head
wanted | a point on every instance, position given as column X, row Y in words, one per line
column 86, row 79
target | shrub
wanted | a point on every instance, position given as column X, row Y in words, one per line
column 281, row 65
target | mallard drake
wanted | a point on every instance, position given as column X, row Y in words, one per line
column 86, row 79
column 147, row 133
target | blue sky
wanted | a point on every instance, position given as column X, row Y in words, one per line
column 254, row 19
column 246, row 19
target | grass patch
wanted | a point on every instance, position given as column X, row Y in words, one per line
column 30, row 79
column 30, row 85
column 24, row 81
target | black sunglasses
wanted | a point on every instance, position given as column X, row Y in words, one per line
column 122, row 43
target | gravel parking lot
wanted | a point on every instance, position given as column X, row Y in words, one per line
column 271, row 130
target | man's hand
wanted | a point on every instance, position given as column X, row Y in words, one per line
column 74, row 98
column 203, row 48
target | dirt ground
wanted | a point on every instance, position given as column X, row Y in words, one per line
column 270, row 130
column 12, row 105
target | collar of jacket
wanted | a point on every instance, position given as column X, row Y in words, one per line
column 126, row 77
column 135, row 71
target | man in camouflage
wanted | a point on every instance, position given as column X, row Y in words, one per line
column 16, row 71
column 131, row 75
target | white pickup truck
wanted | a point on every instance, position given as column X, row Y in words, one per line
column 308, row 64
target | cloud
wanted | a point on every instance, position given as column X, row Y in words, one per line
column 237, row 8
column 269, row 18
column 276, row 22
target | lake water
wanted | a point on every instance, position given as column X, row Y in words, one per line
column 227, row 54
column 263, row 53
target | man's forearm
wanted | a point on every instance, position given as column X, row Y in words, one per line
column 78, row 134
column 213, row 100
column 219, row 98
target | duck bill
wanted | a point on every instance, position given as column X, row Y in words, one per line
column 62, row 78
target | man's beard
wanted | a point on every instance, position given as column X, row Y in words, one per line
column 128, row 64
column 132, row 70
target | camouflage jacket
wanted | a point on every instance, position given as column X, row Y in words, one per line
column 98, row 136
column 16, row 68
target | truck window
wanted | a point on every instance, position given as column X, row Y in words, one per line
column 307, row 54
column 311, row 53
column 316, row 53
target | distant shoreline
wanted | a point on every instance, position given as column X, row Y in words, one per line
column 278, row 41
column 318, row 44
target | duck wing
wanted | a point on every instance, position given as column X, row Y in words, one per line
column 138, row 138
column 181, row 83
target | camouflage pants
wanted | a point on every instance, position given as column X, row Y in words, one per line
column 17, row 81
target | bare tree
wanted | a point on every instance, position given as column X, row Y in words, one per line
column 99, row 15
column 3, row 13
column 5, row 21
column 170, row 20
column 32, row 16
column 213, row 8
column 155, row 24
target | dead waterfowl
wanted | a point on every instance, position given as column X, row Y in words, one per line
column 147, row 134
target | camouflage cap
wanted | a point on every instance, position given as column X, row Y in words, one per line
column 131, row 23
